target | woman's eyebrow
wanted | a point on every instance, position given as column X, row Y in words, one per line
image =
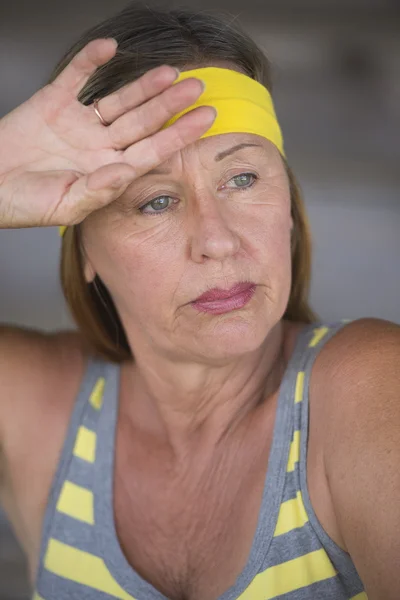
column 225, row 153
column 218, row 157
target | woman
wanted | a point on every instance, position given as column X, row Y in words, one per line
column 202, row 435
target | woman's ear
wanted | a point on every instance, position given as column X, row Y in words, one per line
column 88, row 271
column 293, row 234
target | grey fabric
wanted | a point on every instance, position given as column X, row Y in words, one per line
column 267, row 550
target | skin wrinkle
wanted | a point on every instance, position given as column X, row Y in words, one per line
column 189, row 365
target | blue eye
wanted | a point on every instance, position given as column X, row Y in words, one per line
column 160, row 204
column 242, row 180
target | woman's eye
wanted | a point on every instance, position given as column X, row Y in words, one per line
column 160, row 204
column 163, row 203
column 244, row 180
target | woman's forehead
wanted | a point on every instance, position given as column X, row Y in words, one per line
column 217, row 147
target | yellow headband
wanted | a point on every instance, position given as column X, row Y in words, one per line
column 243, row 104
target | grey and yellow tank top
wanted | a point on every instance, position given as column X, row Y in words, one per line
column 291, row 558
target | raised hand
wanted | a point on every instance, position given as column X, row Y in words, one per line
column 58, row 162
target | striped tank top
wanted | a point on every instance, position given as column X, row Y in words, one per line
column 291, row 558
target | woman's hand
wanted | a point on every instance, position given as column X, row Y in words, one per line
column 58, row 162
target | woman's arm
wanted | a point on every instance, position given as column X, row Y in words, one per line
column 30, row 361
column 39, row 377
column 362, row 452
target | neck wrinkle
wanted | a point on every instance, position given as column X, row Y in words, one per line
column 214, row 407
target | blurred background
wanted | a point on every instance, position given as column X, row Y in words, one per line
column 336, row 66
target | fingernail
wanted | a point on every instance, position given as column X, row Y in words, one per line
column 115, row 42
column 177, row 72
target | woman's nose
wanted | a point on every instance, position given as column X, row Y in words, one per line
column 212, row 235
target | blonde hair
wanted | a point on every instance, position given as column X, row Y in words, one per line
column 149, row 37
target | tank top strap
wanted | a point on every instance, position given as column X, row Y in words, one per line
column 316, row 339
column 313, row 337
column 78, row 450
column 302, row 561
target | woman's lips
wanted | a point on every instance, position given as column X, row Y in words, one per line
column 217, row 301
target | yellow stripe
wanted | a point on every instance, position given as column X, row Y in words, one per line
column 294, row 452
column 85, row 444
column 96, row 397
column 292, row 515
column 82, row 567
column 77, row 502
column 298, row 395
column 319, row 333
column 361, row 596
column 289, row 576
column 37, row 597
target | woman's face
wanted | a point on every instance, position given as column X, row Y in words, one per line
column 215, row 214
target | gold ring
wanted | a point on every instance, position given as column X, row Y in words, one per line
column 98, row 113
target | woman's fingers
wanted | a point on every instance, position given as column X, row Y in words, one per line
column 96, row 190
column 155, row 149
column 115, row 176
column 64, row 197
column 84, row 63
column 93, row 191
column 134, row 94
column 151, row 116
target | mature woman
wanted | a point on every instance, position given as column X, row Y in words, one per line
column 202, row 434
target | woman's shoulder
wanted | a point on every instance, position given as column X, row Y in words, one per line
column 40, row 374
column 34, row 361
column 356, row 375
column 356, row 395
column 357, row 349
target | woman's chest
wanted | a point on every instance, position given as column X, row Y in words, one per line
column 190, row 535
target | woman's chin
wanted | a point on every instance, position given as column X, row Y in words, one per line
column 231, row 336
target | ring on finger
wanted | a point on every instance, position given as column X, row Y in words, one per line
column 98, row 113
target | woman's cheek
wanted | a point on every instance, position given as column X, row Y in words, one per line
column 144, row 236
column 150, row 255
column 267, row 226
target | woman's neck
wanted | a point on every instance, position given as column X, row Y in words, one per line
column 184, row 402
